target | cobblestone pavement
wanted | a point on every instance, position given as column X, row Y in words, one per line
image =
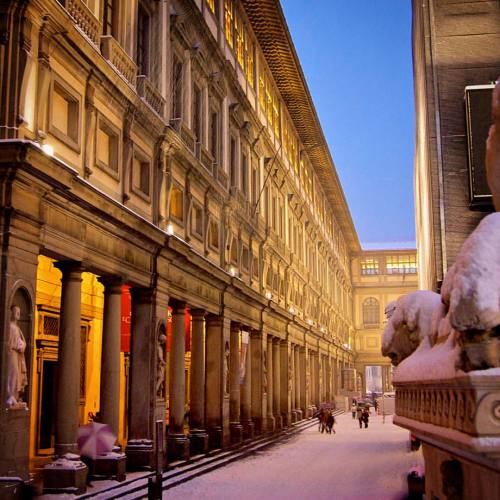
column 351, row 464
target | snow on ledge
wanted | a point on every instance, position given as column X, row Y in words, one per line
column 430, row 363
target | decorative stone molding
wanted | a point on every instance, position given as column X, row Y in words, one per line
column 150, row 94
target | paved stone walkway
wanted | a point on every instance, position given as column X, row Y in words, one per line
column 351, row 464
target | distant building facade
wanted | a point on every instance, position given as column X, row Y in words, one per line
column 456, row 57
column 378, row 278
column 174, row 231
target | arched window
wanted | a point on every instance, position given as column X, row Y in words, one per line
column 371, row 312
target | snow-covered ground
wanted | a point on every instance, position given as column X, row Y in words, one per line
column 354, row 463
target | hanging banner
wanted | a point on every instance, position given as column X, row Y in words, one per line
column 126, row 316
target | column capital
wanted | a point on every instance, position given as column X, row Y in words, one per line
column 71, row 269
column 215, row 319
column 198, row 314
column 235, row 326
column 178, row 306
column 112, row 284
column 142, row 295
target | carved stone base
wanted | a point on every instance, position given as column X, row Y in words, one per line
column 293, row 415
column 259, row 425
column 177, row 447
column 110, row 466
column 140, row 454
column 14, row 442
column 279, row 422
column 248, row 429
column 215, row 436
column 198, row 442
column 309, row 411
column 270, row 423
column 65, row 476
column 299, row 415
column 236, row 431
column 286, row 419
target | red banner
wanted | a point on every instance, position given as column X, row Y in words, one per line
column 126, row 318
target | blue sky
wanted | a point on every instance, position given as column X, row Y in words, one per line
column 357, row 60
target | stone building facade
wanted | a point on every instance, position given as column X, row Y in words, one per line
column 378, row 278
column 456, row 45
column 173, row 228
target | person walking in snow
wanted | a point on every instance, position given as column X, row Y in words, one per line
column 359, row 416
column 365, row 416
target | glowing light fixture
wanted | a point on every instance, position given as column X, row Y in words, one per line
column 232, row 271
column 269, row 295
column 170, row 229
column 48, row 149
column 291, row 310
column 309, row 321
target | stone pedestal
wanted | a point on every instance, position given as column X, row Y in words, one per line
column 236, row 430
column 140, row 455
column 14, row 443
column 270, row 423
column 177, row 447
column 299, row 415
column 65, row 475
column 198, row 442
column 215, row 438
column 110, row 465
column 248, row 429
column 293, row 415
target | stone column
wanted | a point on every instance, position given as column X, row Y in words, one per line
column 142, row 396
column 217, row 381
column 110, row 357
column 198, row 435
column 307, row 384
column 298, row 389
column 177, row 442
column 246, row 389
column 258, row 355
column 271, row 421
column 235, row 426
column 277, row 384
column 293, row 405
column 68, row 364
column 285, row 383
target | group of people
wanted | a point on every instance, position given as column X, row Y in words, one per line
column 362, row 413
column 326, row 421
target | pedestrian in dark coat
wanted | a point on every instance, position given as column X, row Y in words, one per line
column 359, row 415
column 365, row 416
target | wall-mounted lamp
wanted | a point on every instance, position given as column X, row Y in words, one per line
column 232, row 271
column 170, row 229
column 268, row 295
column 48, row 149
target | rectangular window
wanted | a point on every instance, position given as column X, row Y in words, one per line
column 141, row 175
column 213, row 240
column 142, row 48
column 401, row 264
column 65, row 116
column 197, row 220
column 108, row 18
column 276, row 117
column 250, row 64
column 228, row 21
column 214, row 135
column 107, row 147
column 239, row 38
column 369, row 266
column 177, row 204
column 244, row 174
column 255, row 268
column 245, row 258
column 177, row 74
column 211, row 5
column 197, row 113
column 262, row 93
column 255, row 186
column 232, row 163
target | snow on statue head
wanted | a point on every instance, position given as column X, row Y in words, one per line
column 410, row 320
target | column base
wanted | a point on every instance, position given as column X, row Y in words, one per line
column 270, row 423
column 198, row 442
column 110, row 466
column 278, row 422
column 177, row 447
column 248, row 429
column 299, row 414
column 215, row 437
column 67, row 474
column 293, row 415
column 140, row 454
column 236, row 432
column 286, row 419
column 309, row 412
column 259, row 425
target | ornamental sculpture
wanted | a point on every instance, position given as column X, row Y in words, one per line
column 17, row 375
